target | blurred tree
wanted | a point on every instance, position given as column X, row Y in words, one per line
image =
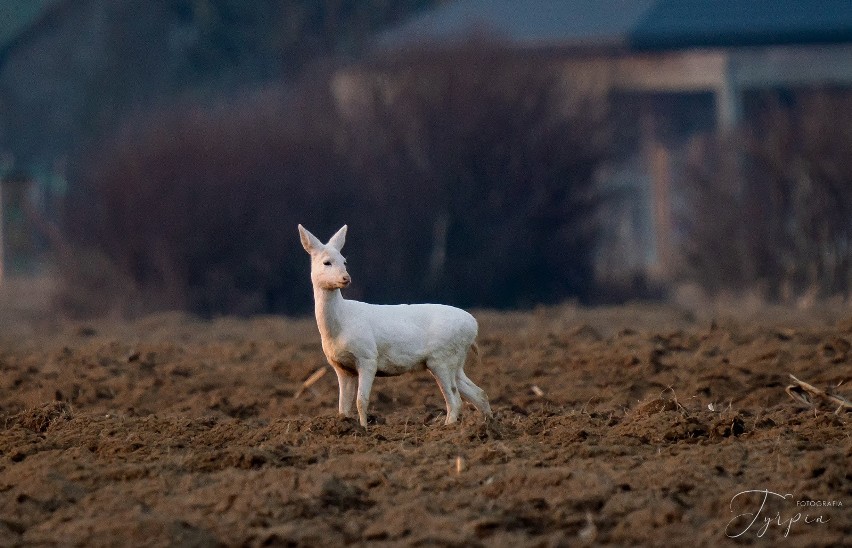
column 495, row 157
column 87, row 64
column 771, row 206
column 466, row 178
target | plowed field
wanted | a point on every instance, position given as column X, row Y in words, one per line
column 621, row 426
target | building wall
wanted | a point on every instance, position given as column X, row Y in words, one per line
column 662, row 102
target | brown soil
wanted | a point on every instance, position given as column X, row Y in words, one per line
column 623, row 426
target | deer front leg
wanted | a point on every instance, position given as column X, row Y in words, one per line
column 348, row 385
column 366, row 374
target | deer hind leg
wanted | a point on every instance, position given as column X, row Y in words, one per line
column 473, row 394
column 445, row 375
column 468, row 389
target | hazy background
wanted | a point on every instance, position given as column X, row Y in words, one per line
column 158, row 154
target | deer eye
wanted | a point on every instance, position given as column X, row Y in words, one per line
column 327, row 263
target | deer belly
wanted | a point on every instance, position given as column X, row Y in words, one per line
column 390, row 367
column 385, row 368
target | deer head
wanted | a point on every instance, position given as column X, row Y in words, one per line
column 328, row 266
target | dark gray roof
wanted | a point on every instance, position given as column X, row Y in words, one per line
column 16, row 15
column 632, row 24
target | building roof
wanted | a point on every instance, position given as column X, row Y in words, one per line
column 631, row 24
column 17, row 15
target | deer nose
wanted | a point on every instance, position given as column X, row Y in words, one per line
column 347, row 279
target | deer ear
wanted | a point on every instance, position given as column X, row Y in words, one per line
column 310, row 242
column 338, row 239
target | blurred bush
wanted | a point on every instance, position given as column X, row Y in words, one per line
column 770, row 206
column 197, row 205
column 486, row 162
column 466, row 177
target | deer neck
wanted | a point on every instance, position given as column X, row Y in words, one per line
column 328, row 305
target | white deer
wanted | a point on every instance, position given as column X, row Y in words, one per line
column 362, row 341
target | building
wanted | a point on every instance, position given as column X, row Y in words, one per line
column 16, row 16
column 674, row 69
